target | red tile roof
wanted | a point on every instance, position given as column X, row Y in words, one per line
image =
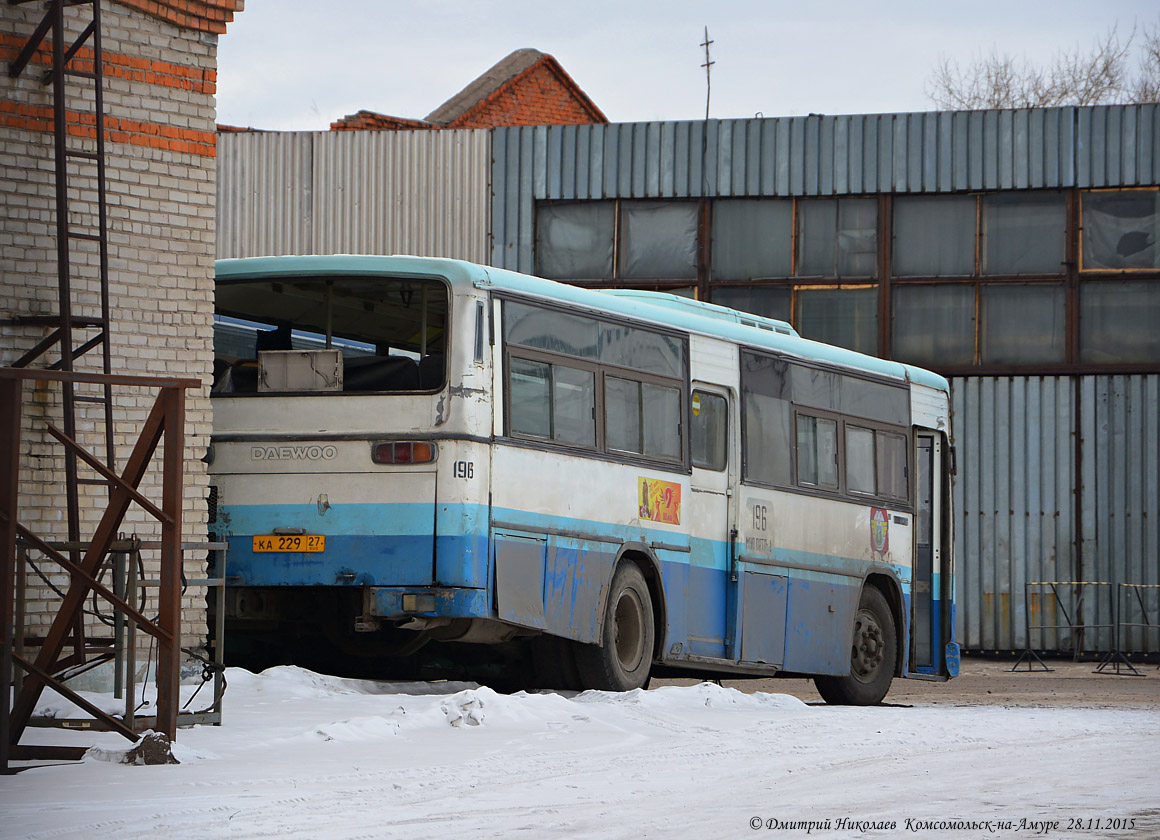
column 527, row 87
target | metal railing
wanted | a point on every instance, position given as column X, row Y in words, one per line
column 164, row 426
column 1073, row 620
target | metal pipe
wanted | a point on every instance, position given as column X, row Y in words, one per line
column 329, row 312
column 220, row 635
column 118, row 627
column 11, row 399
column 20, row 628
column 131, row 643
column 103, row 235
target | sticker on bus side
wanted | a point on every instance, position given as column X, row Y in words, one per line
column 756, row 528
column 879, row 530
column 659, row 501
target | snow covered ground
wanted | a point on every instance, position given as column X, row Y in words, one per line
column 308, row 756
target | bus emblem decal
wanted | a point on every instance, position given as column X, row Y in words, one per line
column 879, row 530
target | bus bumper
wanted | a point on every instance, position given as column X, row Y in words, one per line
column 429, row 602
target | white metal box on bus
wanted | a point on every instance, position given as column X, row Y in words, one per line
column 300, row 370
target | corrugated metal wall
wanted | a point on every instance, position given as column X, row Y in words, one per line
column 1120, row 438
column 1026, row 447
column 948, row 151
column 357, row 192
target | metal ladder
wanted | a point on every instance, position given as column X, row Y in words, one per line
column 79, row 60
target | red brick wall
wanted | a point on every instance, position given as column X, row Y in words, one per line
column 538, row 96
column 202, row 15
column 370, row 120
column 118, row 66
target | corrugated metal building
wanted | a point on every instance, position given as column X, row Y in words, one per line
column 354, row 192
column 1014, row 251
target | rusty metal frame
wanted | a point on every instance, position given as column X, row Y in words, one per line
column 165, row 426
column 126, row 556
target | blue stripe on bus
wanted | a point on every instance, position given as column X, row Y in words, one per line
column 396, row 519
column 462, row 550
column 357, row 560
column 386, row 545
column 462, row 540
column 411, row 518
column 367, row 544
column 349, row 560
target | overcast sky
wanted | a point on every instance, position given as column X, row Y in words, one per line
column 300, row 64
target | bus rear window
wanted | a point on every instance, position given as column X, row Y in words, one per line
column 348, row 334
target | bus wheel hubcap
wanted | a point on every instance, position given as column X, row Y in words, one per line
column 629, row 630
column 869, row 646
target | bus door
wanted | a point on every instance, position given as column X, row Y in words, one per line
column 711, row 418
column 926, row 601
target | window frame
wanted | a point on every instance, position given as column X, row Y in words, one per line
column 223, row 314
column 780, row 294
column 846, row 429
column 835, row 274
column 841, row 492
column 947, row 198
column 818, row 415
column 640, row 378
column 617, row 277
column 600, row 370
column 725, row 425
column 1082, row 268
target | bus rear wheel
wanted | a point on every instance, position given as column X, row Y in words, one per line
column 623, row 660
column 873, row 656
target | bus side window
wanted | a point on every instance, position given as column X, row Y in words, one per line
column 479, row 337
column 817, row 452
column 892, row 473
column 709, row 430
column 861, row 463
column 553, row 402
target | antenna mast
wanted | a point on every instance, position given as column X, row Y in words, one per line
column 708, row 66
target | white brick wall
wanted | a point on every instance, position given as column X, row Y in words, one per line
column 161, row 235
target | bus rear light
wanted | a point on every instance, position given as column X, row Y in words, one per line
column 403, row 452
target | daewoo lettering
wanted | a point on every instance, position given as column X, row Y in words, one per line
column 293, row 453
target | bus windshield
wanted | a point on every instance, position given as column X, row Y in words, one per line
column 330, row 333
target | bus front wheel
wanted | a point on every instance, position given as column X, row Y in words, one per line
column 623, row 660
column 872, row 657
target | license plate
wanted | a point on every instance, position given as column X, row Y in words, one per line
column 290, row 543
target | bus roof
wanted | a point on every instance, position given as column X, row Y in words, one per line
column 659, row 308
column 709, row 310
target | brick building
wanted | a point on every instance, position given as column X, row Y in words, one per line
column 527, row 87
column 159, row 64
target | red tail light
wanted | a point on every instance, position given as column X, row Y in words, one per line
column 403, row 452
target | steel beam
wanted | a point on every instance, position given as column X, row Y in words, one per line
column 169, row 596
column 11, row 402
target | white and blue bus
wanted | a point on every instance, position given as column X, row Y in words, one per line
column 433, row 468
